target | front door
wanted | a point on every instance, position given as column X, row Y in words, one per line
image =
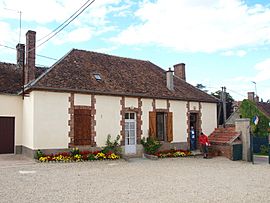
column 130, row 133
column 7, row 135
column 82, row 127
column 193, row 135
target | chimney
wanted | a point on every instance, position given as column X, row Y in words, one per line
column 169, row 79
column 30, row 64
column 180, row 71
column 20, row 54
column 251, row 96
column 257, row 98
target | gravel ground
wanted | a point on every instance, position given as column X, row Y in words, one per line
column 140, row 180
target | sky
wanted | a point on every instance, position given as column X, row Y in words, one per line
column 222, row 42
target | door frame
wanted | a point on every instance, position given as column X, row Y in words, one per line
column 196, row 125
column 131, row 149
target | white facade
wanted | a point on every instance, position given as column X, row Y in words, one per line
column 82, row 99
column 42, row 118
column 51, row 120
column 107, row 118
column 180, row 126
column 131, row 102
column 209, row 117
column 11, row 106
column 146, row 107
column 28, row 121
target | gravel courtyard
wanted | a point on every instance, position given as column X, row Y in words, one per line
column 139, row 180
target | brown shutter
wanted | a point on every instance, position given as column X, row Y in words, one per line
column 82, row 127
column 152, row 124
column 169, row 127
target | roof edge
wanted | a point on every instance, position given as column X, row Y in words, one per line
column 111, row 94
column 31, row 84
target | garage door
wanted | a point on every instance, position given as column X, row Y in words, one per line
column 6, row 135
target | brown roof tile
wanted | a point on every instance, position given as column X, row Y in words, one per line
column 223, row 135
column 264, row 107
column 119, row 76
column 11, row 77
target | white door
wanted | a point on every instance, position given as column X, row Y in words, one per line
column 130, row 133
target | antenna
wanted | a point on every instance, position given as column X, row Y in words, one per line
column 20, row 23
column 255, row 87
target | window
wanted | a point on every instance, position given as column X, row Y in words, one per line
column 129, row 115
column 160, row 126
column 130, row 129
column 97, row 76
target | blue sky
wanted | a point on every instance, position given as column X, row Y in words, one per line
column 222, row 42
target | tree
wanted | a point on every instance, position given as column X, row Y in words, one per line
column 201, row 87
column 229, row 105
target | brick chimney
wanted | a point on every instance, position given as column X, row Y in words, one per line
column 20, row 54
column 180, row 71
column 169, row 79
column 30, row 64
column 251, row 96
column 257, row 98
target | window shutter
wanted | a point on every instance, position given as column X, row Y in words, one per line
column 169, row 127
column 152, row 124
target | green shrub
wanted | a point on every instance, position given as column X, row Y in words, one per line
column 91, row 157
column 248, row 109
column 39, row 154
column 264, row 150
column 150, row 145
column 112, row 146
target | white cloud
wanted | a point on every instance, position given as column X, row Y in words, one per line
column 78, row 35
column 106, row 50
column 199, row 26
column 263, row 71
column 44, row 16
column 239, row 53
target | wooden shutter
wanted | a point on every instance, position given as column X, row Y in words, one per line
column 152, row 124
column 82, row 127
column 169, row 127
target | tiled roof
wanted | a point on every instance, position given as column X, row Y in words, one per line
column 11, row 77
column 119, row 76
column 223, row 135
column 264, row 107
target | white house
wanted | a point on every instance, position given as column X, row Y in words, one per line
column 86, row 95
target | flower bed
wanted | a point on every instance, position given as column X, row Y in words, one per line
column 76, row 155
column 173, row 153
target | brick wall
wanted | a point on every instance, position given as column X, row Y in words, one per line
column 222, row 150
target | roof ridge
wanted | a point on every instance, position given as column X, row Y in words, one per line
column 122, row 57
column 8, row 63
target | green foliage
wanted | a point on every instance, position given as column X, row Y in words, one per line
column 264, row 150
column 201, row 87
column 112, row 146
column 39, row 154
column 248, row 109
column 91, row 157
column 150, row 145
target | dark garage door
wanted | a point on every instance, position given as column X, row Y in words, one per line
column 6, row 135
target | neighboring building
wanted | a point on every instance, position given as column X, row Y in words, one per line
column 263, row 107
column 87, row 95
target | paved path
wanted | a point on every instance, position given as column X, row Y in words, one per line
column 139, row 180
